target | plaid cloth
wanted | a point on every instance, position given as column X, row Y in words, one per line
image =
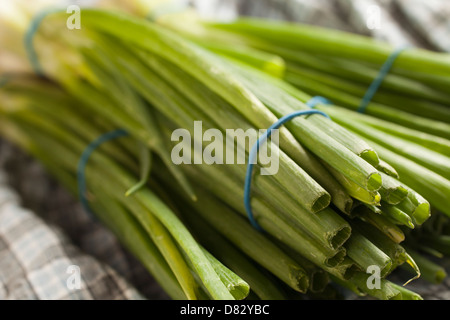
column 56, row 228
column 376, row 18
column 430, row 19
column 37, row 261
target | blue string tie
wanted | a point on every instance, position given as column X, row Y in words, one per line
column 376, row 83
column 29, row 36
column 81, row 169
column 255, row 148
column 371, row 91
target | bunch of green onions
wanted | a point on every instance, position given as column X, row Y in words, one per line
column 407, row 121
column 334, row 209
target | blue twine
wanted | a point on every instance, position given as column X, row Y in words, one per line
column 376, row 83
column 81, row 178
column 252, row 156
column 29, row 36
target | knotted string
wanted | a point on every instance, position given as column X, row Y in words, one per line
column 254, row 150
column 81, row 169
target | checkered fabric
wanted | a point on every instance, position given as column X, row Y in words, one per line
column 38, row 262
column 430, row 19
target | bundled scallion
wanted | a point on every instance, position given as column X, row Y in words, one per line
column 343, row 199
